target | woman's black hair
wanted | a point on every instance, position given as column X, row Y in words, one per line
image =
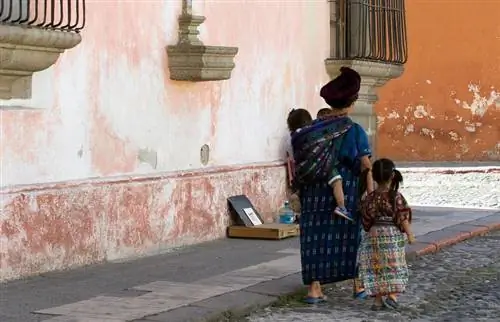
column 341, row 104
column 383, row 170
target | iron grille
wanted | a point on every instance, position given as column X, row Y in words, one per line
column 63, row 15
column 369, row 30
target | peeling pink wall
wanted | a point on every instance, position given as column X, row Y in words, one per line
column 59, row 226
column 112, row 95
column 109, row 101
column 446, row 106
column 77, row 186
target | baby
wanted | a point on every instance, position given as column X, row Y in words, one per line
column 323, row 113
column 298, row 119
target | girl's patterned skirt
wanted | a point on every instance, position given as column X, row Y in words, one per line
column 382, row 261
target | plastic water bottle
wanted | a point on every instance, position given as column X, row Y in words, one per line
column 286, row 214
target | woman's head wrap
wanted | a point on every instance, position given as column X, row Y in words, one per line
column 343, row 89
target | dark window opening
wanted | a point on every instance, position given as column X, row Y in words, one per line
column 63, row 15
column 369, row 30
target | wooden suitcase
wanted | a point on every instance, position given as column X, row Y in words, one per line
column 264, row 231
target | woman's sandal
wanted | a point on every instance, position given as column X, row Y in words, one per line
column 314, row 300
column 361, row 295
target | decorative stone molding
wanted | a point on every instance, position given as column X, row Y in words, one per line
column 373, row 76
column 191, row 60
column 25, row 50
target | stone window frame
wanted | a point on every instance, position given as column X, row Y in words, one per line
column 31, row 41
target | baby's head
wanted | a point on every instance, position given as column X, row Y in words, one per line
column 298, row 118
column 323, row 113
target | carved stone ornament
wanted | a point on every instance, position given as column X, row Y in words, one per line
column 25, row 50
column 191, row 60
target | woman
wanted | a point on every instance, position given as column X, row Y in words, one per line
column 329, row 243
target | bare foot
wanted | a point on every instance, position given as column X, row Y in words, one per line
column 315, row 291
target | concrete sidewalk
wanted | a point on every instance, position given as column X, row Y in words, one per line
column 203, row 282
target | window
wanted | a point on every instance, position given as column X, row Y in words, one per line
column 64, row 15
column 369, row 30
column 34, row 34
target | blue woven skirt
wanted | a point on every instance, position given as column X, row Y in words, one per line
column 329, row 243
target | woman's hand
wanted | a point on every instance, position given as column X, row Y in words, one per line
column 411, row 239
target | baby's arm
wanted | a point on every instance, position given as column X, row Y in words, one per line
column 409, row 232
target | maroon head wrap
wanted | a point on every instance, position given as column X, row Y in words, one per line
column 343, row 89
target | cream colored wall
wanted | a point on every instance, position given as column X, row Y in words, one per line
column 110, row 100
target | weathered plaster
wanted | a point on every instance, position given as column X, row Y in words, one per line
column 479, row 104
column 63, row 225
column 108, row 109
column 111, row 96
column 446, row 106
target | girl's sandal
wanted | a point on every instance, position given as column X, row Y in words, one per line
column 391, row 303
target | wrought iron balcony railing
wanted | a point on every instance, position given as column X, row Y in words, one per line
column 63, row 15
column 369, row 30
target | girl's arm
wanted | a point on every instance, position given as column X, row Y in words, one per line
column 368, row 212
column 402, row 217
column 409, row 232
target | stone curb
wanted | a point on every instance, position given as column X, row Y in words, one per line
column 450, row 170
column 234, row 305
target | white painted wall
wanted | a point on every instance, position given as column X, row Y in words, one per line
column 110, row 98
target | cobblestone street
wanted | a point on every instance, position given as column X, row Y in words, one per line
column 461, row 283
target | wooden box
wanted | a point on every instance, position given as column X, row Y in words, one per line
column 264, row 231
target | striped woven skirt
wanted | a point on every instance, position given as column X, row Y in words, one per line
column 328, row 243
column 382, row 261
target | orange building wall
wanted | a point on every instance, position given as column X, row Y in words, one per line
column 446, row 106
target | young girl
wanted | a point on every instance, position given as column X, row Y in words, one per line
column 386, row 220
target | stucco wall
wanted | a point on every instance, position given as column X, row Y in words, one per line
column 75, row 191
column 108, row 104
column 110, row 98
column 446, row 106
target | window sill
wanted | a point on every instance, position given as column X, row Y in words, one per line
column 25, row 51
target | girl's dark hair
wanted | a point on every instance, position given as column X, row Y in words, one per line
column 382, row 171
column 298, row 118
